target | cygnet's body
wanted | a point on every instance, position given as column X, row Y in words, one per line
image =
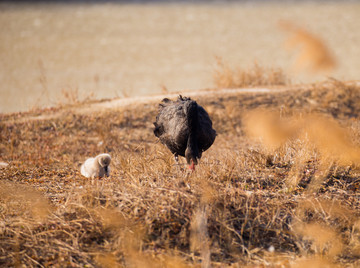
column 96, row 167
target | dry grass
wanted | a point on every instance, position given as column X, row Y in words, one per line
column 238, row 208
column 227, row 77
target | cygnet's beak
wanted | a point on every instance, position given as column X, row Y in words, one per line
column 106, row 170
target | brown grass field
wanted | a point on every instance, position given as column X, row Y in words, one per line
column 278, row 188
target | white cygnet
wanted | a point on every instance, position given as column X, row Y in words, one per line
column 96, row 167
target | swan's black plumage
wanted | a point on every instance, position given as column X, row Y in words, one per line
column 185, row 128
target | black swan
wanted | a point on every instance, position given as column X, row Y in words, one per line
column 185, row 128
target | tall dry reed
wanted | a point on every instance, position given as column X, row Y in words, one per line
column 312, row 53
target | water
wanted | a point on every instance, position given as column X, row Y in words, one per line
column 106, row 50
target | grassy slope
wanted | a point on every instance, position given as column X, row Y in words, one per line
column 236, row 206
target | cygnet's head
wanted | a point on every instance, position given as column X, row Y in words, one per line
column 104, row 159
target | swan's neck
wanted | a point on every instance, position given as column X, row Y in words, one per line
column 192, row 150
column 192, row 116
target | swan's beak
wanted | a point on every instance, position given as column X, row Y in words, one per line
column 192, row 166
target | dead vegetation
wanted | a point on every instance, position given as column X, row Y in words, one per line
column 284, row 196
column 226, row 76
column 312, row 53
